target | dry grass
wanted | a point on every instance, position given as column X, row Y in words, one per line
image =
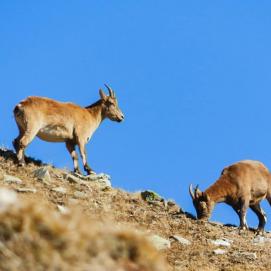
column 35, row 237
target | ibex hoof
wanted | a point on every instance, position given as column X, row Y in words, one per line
column 88, row 170
column 259, row 232
column 243, row 229
column 21, row 163
column 91, row 172
column 77, row 171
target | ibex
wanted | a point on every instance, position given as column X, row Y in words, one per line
column 55, row 121
column 241, row 185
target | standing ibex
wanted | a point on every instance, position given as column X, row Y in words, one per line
column 241, row 185
column 54, row 121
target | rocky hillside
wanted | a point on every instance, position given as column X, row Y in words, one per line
column 53, row 220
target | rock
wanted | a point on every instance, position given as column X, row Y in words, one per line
column 215, row 223
column 72, row 201
column 63, row 209
column 42, row 174
column 80, row 195
column 102, row 179
column 26, row 190
column 159, row 242
column 181, row 240
column 71, row 178
column 219, row 251
column 150, row 196
column 104, row 184
column 60, row 189
column 11, row 179
column 171, row 203
column 261, row 240
column 247, row 255
column 96, row 177
column 7, row 198
column 222, row 242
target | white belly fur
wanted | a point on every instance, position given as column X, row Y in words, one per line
column 54, row 133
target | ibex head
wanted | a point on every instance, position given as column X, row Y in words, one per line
column 110, row 108
column 201, row 202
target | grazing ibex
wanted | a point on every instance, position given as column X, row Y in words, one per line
column 241, row 185
column 55, row 121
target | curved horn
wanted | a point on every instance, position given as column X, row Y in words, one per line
column 192, row 194
column 111, row 92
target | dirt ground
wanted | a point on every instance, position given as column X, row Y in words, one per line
column 114, row 208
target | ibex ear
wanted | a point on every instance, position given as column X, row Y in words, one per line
column 197, row 193
column 102, row 94
column 205, row 196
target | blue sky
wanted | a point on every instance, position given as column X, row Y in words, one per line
column 192, row 77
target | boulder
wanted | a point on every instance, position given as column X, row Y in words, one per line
column 258, row 240
column 219, row 251
column 26, row 190
column 11, row 179
column 150, row 196
column 159, row 242
column 181, row 240
column 7, row 198
column 42, row 174
column 80, row 195
column 222, row 242
column 103, row 180
column 63, row 209
column 71, row 178
column 60, row 189
column 247, row 255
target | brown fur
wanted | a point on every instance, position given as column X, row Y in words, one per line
column 241, row 185
column 55, row 121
